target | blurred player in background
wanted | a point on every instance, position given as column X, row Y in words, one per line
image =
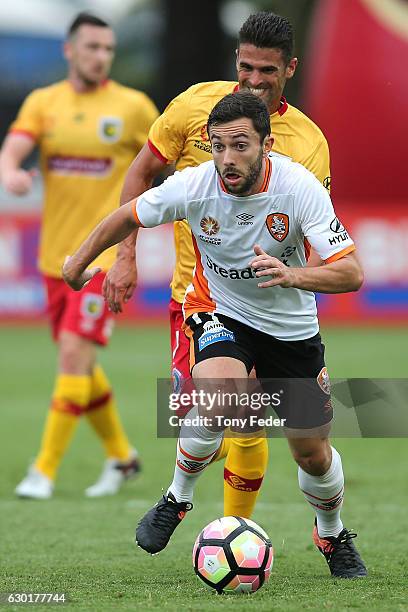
column 88, row 129
column 264, row 63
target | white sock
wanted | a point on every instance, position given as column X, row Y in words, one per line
column 325, row 495
column 196, row 448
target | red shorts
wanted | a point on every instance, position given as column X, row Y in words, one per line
column 84, row 312
column 180, row 347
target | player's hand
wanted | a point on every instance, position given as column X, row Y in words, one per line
column 76, row 280
column 19, row 182
column 266, row 265
column 120, row 283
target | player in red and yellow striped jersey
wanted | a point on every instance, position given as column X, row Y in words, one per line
column 87, row 129
column 264, row 62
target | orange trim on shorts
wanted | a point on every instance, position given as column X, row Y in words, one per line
column 189, row 333
column 341, row 254
column 133, row 207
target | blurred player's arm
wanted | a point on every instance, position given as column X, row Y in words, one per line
column 112, row 230
column 16, row 148
column 319, row 164
column 120, row 282
column 165, row 144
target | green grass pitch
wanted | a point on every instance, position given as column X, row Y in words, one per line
column 86, row 549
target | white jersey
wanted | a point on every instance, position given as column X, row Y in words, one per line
column 291, row 212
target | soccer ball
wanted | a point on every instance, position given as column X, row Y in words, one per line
column 233, row 555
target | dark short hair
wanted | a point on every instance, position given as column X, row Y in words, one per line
column 241, row 104
column 268, row 30
column 86, row 19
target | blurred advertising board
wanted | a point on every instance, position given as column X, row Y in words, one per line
column 380, row 232
column 22, row 295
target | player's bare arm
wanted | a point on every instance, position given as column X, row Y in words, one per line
column 15, row 149
column 341, row 276
column 113, row 229
column 120, row 282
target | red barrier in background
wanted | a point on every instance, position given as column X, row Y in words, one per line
column 380, row 232
column 356, row 89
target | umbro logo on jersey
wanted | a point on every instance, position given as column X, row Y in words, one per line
column 245, row 219
column 278, row 225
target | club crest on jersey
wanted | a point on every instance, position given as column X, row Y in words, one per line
column 278, row 225
column 110, row 129
column 92, row 305
column 323, row 380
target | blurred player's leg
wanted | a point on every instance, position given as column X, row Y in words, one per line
column 71, row 395
column 122, row 461
column 80, row 321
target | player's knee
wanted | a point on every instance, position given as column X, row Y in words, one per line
column 314, row 461
column 76, row 355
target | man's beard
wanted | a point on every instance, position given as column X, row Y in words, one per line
column 252, row 176
column 90, row 81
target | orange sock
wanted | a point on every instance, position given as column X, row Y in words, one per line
column 71, row 395
column 103, row 415
column 244, row 470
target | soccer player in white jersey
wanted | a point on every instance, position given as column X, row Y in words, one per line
column 246, row 308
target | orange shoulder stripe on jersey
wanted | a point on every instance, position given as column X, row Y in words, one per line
column 19, row 132
column 157, row 153
column 133, row 207
column 341, row 254
column 198, row 300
